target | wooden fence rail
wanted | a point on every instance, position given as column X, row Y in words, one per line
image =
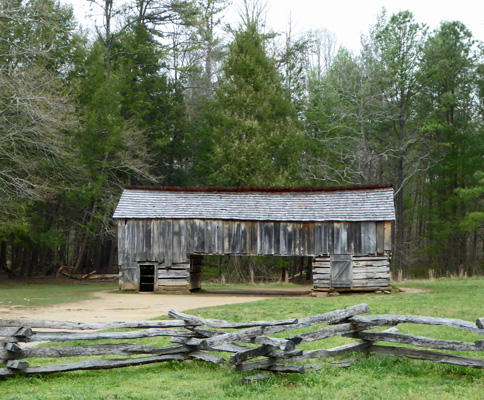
column 193, row 337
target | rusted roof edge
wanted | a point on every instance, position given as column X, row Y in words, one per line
column 259, row 189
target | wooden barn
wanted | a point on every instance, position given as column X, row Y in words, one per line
column 163, row 233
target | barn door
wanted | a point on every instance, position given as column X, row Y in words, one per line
column 147, row 277
column 341, row 270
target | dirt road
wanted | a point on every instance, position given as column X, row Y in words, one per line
column 112, row 306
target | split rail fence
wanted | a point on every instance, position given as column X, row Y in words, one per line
column 251, row 344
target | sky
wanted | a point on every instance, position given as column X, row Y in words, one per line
column 348, row 19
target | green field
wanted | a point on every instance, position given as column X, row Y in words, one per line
column 371, row 378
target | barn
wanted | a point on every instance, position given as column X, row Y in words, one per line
column 163, row 233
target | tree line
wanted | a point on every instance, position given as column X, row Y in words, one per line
column 161, row 92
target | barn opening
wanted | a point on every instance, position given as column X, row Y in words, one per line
column 236, row 269
column 147, row 278
column 341, row 235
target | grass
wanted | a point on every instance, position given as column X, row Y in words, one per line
column 278, row 285
column 371, row 378
column 32, row 293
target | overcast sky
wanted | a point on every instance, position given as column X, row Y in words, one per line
column 348, row 19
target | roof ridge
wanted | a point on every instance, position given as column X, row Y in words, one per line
column 259, row 189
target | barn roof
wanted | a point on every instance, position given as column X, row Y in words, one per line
column 365, row 203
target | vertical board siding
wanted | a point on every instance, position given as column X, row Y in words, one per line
column 169, row 242
column 388, row 236
column 380, row 237
column 267, row 238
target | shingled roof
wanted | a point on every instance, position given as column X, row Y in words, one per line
column 259, row 204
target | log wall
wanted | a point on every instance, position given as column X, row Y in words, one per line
column 168, row 244
column 366, row 271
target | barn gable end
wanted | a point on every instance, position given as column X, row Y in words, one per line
column 163, row 232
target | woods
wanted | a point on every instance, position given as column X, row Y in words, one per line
column 160, row 92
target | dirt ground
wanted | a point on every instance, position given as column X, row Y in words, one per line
column 109, row 305
column 112, row 306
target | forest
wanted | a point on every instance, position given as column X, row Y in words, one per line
column 164, row 93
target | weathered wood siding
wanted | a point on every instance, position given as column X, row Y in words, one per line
column 367, row 272
column 170, row 242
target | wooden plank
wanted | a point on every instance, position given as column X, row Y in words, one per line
column 243, row 247
column 220, row 238
column 318, row 277
column 92, row 365
column 222, row 324
column 388, row 236
column 380, row 237
column 317, row 239
column 325, row 333
column 167, row 238
column 176, row 240
column 277, row 238
column 375, row 283
column 297, row 235
column 289, row 239
column 208, row 357
column 146, row 333
column 372, row 237
column 250, row 354
column 283, row 239
column 419, row 341
column 34, row 323
column 320, row 270
column 433, row 356
column 392, row 320
column 367, row 275
column 267, row 238
column 254, row 239
column 310, row 240
column 121, row 349
column 226, row 233
column 370, row 269
column 358, row 245
column 172, row 273
column 340, row 237
column 173, row 282
column 322, row 284
column 304, row 244
column 368, row 237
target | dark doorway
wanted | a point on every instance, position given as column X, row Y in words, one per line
column 147, row 278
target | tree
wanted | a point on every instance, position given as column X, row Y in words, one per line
column 447, row 108
column 37, row 117
column 250, row 123
column 396, row 47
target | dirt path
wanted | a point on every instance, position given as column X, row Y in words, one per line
column 111, row 306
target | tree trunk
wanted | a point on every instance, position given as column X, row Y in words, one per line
column 399, row 223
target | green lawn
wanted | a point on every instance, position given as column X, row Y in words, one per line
column 372, row 378
column 38, row 293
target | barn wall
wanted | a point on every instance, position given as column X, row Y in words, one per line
column 170, row 242
column 365, row 271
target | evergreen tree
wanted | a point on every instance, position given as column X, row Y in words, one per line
column 447, row 110
column 250, row 123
